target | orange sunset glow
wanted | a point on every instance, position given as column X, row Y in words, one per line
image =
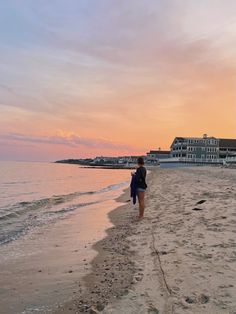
column 114, row 77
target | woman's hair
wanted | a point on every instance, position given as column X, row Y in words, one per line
column 140, row 161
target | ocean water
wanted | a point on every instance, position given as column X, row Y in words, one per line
column 34, row 194
column 50, row 216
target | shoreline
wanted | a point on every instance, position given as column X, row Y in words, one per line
column 44, row 267
column 112, row 269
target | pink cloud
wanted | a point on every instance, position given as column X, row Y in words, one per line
column 60, row 146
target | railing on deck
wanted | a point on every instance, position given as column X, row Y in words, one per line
column 198, row 160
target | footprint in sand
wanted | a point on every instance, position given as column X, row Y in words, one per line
column 153, row 310
column 202, row 299
column 178, row 281
column 175, row 289
column 190, row 300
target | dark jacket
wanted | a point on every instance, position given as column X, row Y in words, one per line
column 133, row 188
column 141, row 177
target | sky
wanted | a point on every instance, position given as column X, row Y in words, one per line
column 80, row 78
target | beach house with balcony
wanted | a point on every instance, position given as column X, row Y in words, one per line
column 159, row 154
column 195, row 148
column 154, row 155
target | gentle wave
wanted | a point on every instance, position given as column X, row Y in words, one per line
column 37, row 221
column 20, row 208
column 21, row 217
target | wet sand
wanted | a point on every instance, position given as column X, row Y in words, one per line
column 180, row 259
column 44, row 268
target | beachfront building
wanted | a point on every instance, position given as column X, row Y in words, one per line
column 195, row 148
column 154, row 156
column 122, row 160
column 105, row 160
column 227, row 148
column 133, row 159
column 127, row 159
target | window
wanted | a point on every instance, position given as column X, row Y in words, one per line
column 211, row 149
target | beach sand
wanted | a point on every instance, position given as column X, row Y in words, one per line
column 180, row 259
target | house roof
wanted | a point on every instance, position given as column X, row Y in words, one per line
column 194, row 138
column 180, row 138
column 183, row 139
column 227, row 142
column 159, row 152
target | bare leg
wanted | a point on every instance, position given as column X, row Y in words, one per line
column 141, row 204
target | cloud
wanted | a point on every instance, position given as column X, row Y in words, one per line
column 128, row 71
column 71, row 140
